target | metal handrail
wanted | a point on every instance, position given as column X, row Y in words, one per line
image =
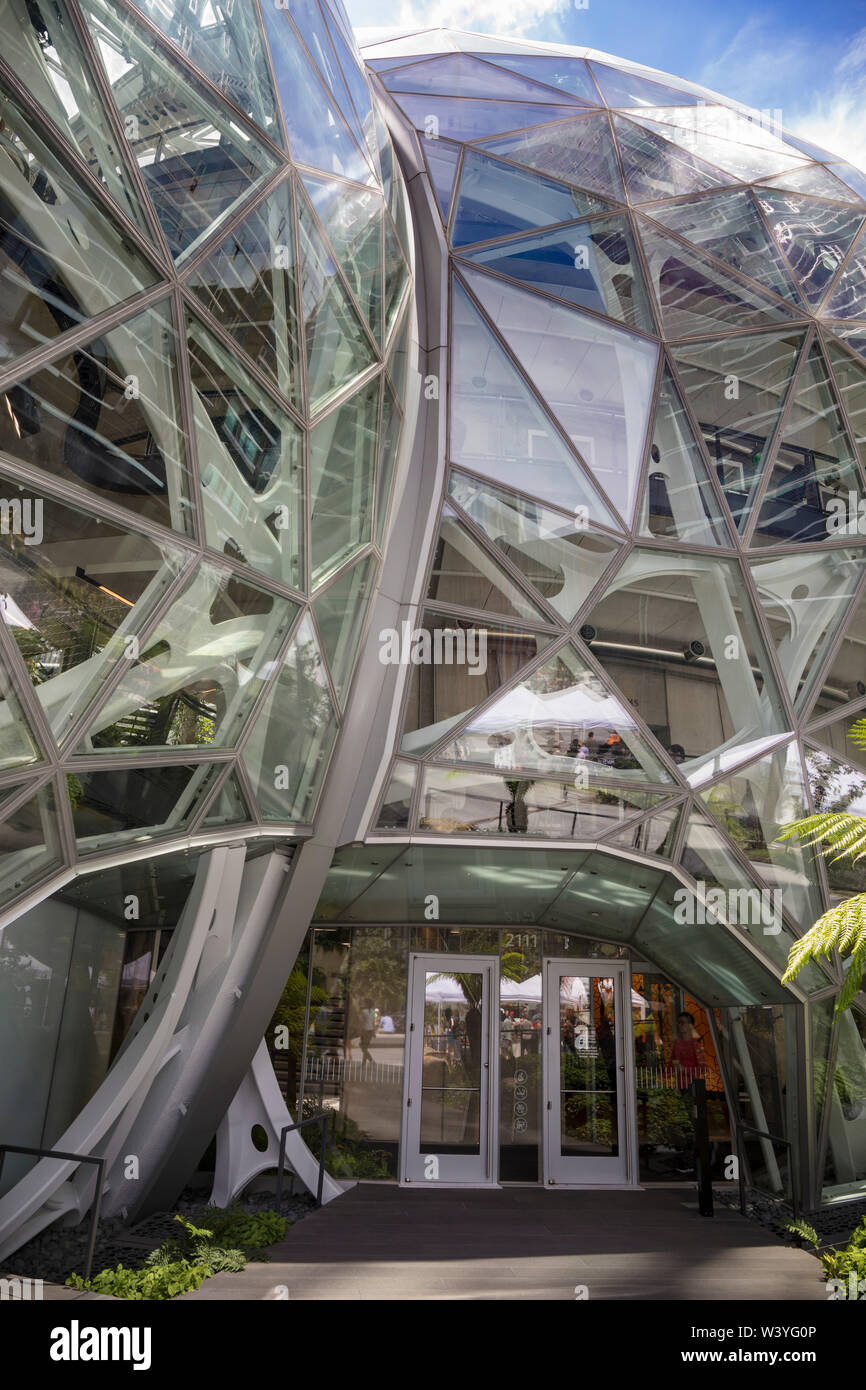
column 742, row 1129
column 321, row 1119
column 77, row 1158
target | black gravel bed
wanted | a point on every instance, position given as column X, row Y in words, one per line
column 60, row 1250
column 834, row 1225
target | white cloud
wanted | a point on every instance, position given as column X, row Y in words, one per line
column 833, row 118
column 480, row 16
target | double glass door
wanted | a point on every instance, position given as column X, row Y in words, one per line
column 454, row 1034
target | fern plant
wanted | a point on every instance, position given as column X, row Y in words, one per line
column 835, row 835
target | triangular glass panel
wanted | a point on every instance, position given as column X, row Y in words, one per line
column 806, row 597
column 565, row 74
column 31, row 849
column 200, row 671
column 466, row 575
column 577, row 363
column 18, row 745
column 678, row 500
column 718, row 122
column 848, row 300
column 736, row 158
column 560, row 557
column 754, row 804
column 497, row 199
column 355, row 80
column 592, row 264
column 49, row 61
column 249, row 284
column 342, row 471
column 397, row 202
column 389, row 440
column 198, row 160
column 736, row 388
column 396, row 276
column 579, row 152
column 619, row 87
column 226, row 42
column 52, row 243
column 654, row 168
column 678, row 635
column 457, row 663
column 653, row 834
column 851, row 385
column 698, row 296
column 131, row 803
column 853, row 334
column 309, row 21
column 459, row 75
column 854, row 178
column 230, row 806
column 397, row 800
column 341, row 610
column 395, row 52
column 845, row 679
column 63, row 615
column 251, row 463
column 456, row 118
column 813, row 236
column 106, row 417
column 318, row 133
column 560, row 720
column 352, row 218
column 338, row 349
column 442, row 158
column 9, row 791
column 816, row 181
column 838, row 737
column 815, row 488
column 728, row 226
column 454, row 800
column 838, row 787
column 287, row 752
column 500, row 430
column 745, row 902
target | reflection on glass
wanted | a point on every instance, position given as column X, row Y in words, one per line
column 846, row 678
column 466, row 120
column 249, row 284
column 53, row 235
column 704, row 697
column 133, row 803
column 591, row 264
column 457, row 663
column 226, row 43
column 459, row 75
column 679, row 500
column 813, row 236
column 756, row 1056
column 561, row 559
column 199, row 672
column 342, row 474
column 197, row 159
column 737, row 427
column 588, row 1074
column 560, row 720
column 579, row 152
column 338, row 349
column 654, row 168
column 567, row 74
column 728, row 226
column 815, row 485
column 455, row 802
column 722, row 138
column 845, row 1166
column 451, row 1085
column 805, row 598
column 286, row 754
column 520, row 1055
column 496, row 199
column 106, row 417
column 340, row 612
column 465, row 574
column 498, row 428
column 839, row 788
column 353, row 218
column 29, row 844
column 396, row 803
column 389, row 440
column 62, row 617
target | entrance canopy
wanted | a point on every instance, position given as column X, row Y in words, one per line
column 587, row 892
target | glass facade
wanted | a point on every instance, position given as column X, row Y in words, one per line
column 288, row 552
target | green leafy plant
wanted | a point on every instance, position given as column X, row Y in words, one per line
column 837, row 1263
column 837, row 835
column 803, row 1231
column 183, row 1261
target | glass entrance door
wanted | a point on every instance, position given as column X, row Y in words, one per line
column 448, row 1128
column 587, row 1118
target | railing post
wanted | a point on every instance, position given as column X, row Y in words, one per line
column 702, row 1147
column 280, row 1162
column 95, row 1212
column 323, row 1129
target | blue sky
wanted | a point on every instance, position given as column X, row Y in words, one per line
column 806, row 59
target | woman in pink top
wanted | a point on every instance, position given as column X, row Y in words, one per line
column 687, row 1053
